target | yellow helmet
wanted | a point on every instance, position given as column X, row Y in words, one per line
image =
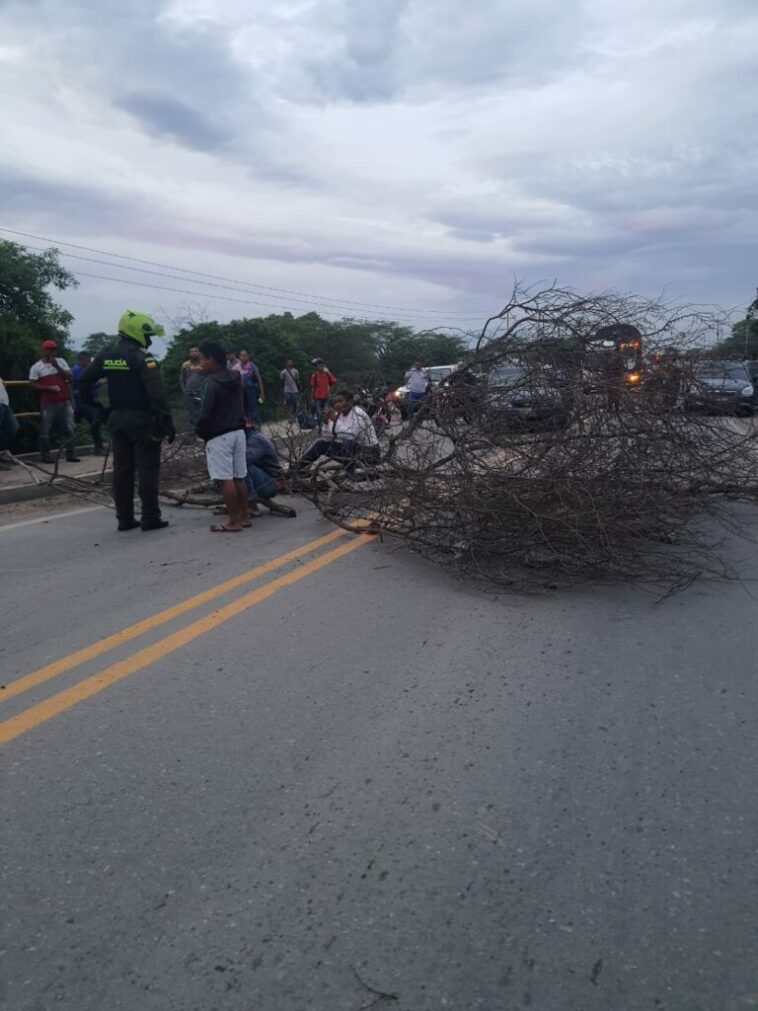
column 139, row 327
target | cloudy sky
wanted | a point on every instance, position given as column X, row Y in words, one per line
column 402, row 159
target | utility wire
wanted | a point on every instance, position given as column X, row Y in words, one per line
column 247, row 284
column 183, row 291
column 174, row 277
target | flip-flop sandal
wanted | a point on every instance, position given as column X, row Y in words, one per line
column 222, row 528
column 221, row 511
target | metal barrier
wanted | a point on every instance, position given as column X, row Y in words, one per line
column 21, row 382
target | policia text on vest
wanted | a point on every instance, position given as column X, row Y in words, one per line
column 138, row 419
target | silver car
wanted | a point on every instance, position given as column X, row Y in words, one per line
column 723, row 387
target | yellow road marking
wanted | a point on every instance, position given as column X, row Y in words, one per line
column 50, row 670
column 63, row 700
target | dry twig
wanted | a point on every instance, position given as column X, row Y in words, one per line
column 380, row 995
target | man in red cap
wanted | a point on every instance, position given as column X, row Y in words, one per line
column 51, row 377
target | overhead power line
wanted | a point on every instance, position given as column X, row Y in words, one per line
column 175, row 277
column 254, row 288
column 183, row 291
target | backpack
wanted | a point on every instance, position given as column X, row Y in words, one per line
column 306, row 420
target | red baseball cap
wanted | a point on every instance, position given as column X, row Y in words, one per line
column 49, row 345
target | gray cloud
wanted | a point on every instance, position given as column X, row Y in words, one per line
column 428, row 141
column 362, row 66
column 164, row 116
column 181, row 82
column 420, row 49
column 476, row 274
column 59, row 204
column 520, row 43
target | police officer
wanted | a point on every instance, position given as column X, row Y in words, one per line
column 138, row 418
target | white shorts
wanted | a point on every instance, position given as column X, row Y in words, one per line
column 226, row 456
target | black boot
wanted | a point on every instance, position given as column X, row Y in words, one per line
column 128, row 524
column 154, row 524
column 44, row 451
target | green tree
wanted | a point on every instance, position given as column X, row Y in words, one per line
column 357, row 351
column 28, row 314
column 269, row 340
column 398, row 347
column 744, row 337
column 178, row 350
column 97, row 342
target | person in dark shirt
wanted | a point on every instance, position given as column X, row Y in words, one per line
column 85, row 412
column 138, row 417
column 222, row 426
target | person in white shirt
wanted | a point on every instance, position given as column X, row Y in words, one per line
column 417, row 381
column 291, row 379
column 349, row 434
column 51, row 378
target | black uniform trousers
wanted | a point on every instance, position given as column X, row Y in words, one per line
column 135, row 453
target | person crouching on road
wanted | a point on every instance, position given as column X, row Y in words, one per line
column 352, row 436
column 222, row 425
column 263, row 470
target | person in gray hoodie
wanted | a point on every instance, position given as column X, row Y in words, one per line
column 222, row 425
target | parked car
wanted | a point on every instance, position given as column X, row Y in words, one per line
column 721, row 386
column 436, row 375
column 523, row 396
column 459, row 396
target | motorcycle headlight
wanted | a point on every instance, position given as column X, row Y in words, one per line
column 747, row 391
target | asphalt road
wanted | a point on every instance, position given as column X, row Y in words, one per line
column 348, row 767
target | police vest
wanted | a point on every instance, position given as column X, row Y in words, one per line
column 123, row 366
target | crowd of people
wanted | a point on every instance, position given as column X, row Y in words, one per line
column 192, row 379
column 60, row 403
column 223, row 393
column 241, row 460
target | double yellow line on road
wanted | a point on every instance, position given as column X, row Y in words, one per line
column 63, row 700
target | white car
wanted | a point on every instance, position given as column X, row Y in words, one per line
column 436, row 375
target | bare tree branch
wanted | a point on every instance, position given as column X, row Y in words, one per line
column 582, row 461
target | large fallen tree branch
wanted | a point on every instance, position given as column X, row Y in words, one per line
column 563, row 449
